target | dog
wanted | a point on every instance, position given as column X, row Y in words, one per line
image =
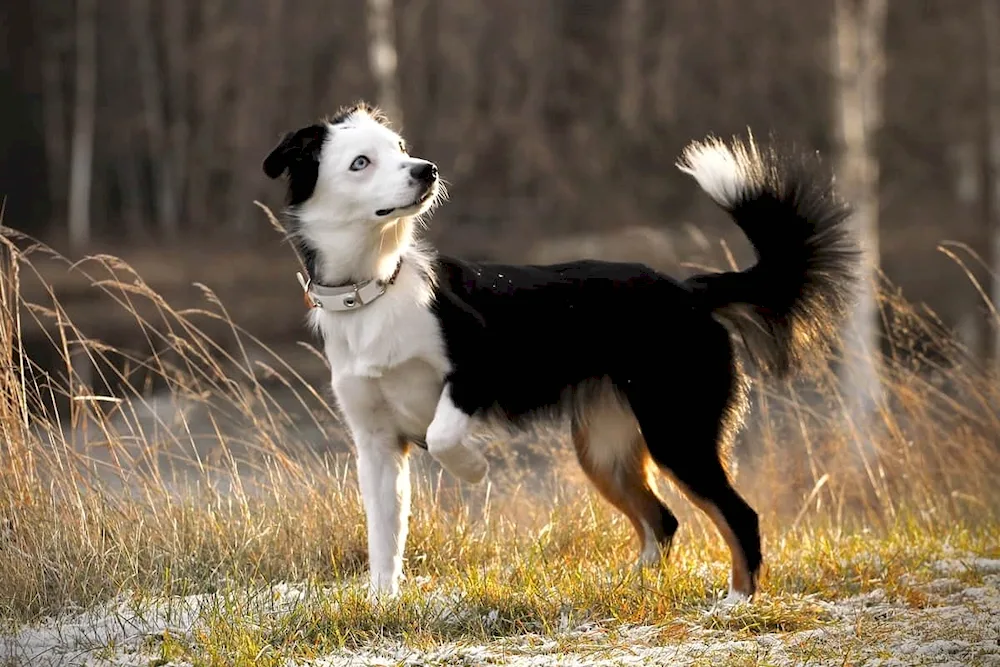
column 426, row 349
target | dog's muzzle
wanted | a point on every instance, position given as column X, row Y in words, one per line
column 426, row 173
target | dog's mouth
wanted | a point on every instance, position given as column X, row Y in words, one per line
column 428, row 193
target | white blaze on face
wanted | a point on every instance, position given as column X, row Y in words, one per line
column 364, row 173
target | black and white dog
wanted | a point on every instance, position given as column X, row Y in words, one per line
column 426, row 349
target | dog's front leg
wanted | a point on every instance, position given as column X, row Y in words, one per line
column 445, row 437
column 384, row 477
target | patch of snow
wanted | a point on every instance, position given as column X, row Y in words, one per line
column 963, row 630
column 934, row 648
column 962, row 565
column 942, row 586
column 125, row 631
column 121, row 628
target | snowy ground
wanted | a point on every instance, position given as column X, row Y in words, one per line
column 954, row 623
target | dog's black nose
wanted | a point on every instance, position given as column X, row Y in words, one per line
column 426, row 172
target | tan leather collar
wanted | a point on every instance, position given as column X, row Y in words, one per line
column 342, row 298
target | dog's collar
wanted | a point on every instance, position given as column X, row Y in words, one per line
column 352, row 296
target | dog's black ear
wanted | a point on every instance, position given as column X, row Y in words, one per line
column 276, row 161
column 294, row 147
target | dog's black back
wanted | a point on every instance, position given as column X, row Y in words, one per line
column 537, row 331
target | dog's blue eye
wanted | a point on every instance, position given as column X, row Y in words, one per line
column 360, row 162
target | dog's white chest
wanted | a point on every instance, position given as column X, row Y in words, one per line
column 371, row 341
column 368, row 347
column 391, row 353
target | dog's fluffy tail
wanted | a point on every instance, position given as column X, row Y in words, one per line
column 790, row 304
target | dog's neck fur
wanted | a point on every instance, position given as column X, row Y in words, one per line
column 341, row 255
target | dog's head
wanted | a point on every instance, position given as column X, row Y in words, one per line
column 355, row 166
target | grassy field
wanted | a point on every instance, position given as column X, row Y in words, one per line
column 125, row 539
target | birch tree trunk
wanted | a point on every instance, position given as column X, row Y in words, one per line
column 380, row 17
column 991, row 44
column 859, row 62
column 177, row 54
column 82, row 151
column 53, row 34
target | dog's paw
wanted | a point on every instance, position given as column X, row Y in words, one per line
column 734, row 599
column 732, row 602
column 378, row 594
column 383, row 587
column 463, row 463
column 646, row 562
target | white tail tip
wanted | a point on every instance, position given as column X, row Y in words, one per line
column 725, row 173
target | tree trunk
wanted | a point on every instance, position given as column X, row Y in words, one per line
column 22, row 161
column 177, row 57
column 53, row 33
column 665, row 68
column 859, row 28
column 82, row 152
column 203, row 141
column 152, row 88
column 631, row 84
column 382, row 57
column 991, row 50
column 531, row 159
column 127, row 170
column 457, row 67
column 247, row 113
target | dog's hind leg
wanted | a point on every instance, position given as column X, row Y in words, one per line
column 613, row 454
column 707, row 486
column 696, row 467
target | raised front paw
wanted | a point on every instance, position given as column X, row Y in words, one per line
column 461, row 462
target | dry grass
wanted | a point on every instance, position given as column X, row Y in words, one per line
column 104, row 499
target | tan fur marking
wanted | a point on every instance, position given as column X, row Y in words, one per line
column 741, row 578
column 628, row 485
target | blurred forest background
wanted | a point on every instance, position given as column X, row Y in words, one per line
column 138, row 127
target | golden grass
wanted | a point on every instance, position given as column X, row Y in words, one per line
column 101, row 498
